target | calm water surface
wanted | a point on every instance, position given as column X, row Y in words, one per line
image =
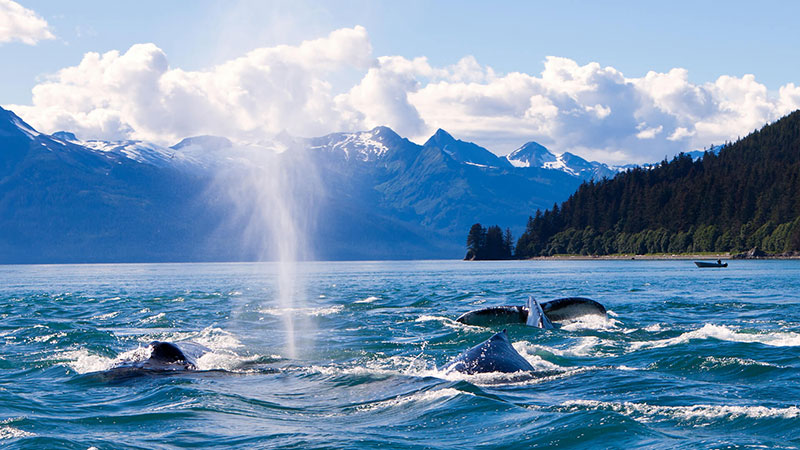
column 688, row 358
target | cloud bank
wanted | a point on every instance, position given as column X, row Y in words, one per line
column 591, row 110
column 20, row 24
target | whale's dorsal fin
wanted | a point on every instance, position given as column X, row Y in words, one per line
column 166, row 352
column 536, row 317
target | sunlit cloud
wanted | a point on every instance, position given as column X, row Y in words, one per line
column 20, row 24
column 591, row 110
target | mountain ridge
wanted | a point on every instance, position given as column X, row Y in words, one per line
column 381, row 196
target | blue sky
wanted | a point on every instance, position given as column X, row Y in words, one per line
column 709, row 40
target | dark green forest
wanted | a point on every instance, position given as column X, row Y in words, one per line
column 747, row 195
column 489, row 243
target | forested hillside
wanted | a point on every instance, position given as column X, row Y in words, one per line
column 746, row 196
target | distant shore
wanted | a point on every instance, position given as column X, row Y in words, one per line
column 656, row 257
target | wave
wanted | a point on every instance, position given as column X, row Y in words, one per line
column 711, row 362
column 646, row 412
column 450, row 323
column 416, row 397
column 110, row 315
column 153, row 319
column 221, row 357
column 591, row 322
column 724, row 333
column 9, row 432
column 81, row 361
column 585, row 346
column 416, row 366
column 314, row 312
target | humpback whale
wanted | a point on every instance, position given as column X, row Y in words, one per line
column 164, row 357
column 534, row 314
column 493, row 355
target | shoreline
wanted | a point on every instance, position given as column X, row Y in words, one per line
column 655, row 257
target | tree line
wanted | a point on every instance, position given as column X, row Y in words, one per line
column 746, row 196
column 489, row 243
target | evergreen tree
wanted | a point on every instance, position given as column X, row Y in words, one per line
column 508, row 244
column 746, row 195
column 476, row 241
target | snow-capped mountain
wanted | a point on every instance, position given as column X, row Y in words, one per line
column 382, row 196
column 534, row 154
column 531, row 154
column 138, row 151
column 365, row 146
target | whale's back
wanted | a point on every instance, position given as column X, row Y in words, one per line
column 493, row 355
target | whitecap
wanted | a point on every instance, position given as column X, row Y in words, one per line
column 153, row 319
column 221, row 357
column 81, row 361
column 416, row 366
column 314, row 312
column 646, row 412
column 7, row 432
column 591, row 322
column 416, row 397
column 448, row 322
column 724, row 333
column 712, row 362
column 582, row 346
column 49, row 337
column 216, row 339
column 654, row 328
column 110, row 315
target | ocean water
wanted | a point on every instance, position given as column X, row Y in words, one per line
column 687, row 358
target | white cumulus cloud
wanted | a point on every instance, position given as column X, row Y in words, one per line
column 20, row 24
column 137, row 94
column 591, row 110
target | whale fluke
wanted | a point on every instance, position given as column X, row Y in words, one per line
column 553, row 311
column 536, row 317
column 572, row 308
column 493, row 355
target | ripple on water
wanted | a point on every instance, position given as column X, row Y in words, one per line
column 683, row 359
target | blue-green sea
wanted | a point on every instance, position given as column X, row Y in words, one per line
column 687, row 357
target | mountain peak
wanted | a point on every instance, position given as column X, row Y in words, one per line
column 465, row 152
column 532, row 154
column 65, row 136
column 440, row 133
column 205, row 141
column 383, row 130
column 439, row 138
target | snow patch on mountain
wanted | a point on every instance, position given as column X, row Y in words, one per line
column 559, row 164
column 535, row 155
column 532, row 154
column 365, row 146
column 139, row 151
column 25, row 128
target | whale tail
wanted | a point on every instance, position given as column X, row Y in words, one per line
column 536, row 317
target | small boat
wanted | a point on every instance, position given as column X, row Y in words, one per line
column 710, row 264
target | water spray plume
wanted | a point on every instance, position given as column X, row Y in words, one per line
column 275, row 192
